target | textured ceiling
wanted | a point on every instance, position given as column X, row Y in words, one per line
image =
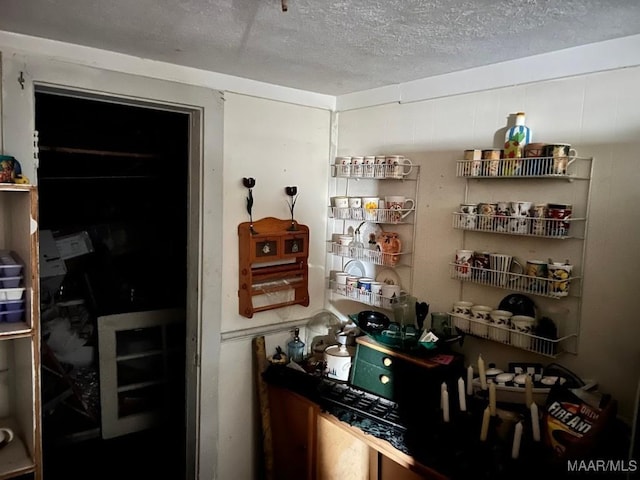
column 326, row 46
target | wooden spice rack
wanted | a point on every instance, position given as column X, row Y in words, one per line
column 273, row 264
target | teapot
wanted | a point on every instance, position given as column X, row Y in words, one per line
column 389, row 243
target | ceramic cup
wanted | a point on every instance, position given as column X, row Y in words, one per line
column 499, row 324
column 357, row 167
column 397, row 166
column 538, row 270
column 503, row 212
column 340, row 206
column 519, row 222
column 341, row 282
column 473, row 163
column 370, row 206
column 469, row 214
column 539, row 224
column 461, row 313
column 501, row 264
column 355, row 205
column 376, row 293
column 369, row 166
column 481, row 266
column 398, row 207
column 463, row 261
column 380, row 169
column 491, row 159
column 390, row 294
column 558, row 223
column 560, row 276
column 563, row 156
column 343, row 166
column 480, row 316
column 486, row 214
column 522, row 329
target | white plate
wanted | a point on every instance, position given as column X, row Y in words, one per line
column 368, row 228
column 388, row 276
column 355, row 267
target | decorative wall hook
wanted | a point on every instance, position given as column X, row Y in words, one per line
column 293, row 195
column 249, row 183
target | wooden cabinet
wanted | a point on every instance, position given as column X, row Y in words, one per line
column 273, row 270
column 20, row 341
column 315, row 445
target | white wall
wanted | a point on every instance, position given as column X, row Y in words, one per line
column 279, row 145
column 598, row 114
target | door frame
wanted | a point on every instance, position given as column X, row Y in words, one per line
column 22, row 76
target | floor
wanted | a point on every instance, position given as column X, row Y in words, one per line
column 141, row 455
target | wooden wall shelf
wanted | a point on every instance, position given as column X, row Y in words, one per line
column 272, row 264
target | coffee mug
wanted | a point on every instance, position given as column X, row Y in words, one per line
column 538, row 270
column 499, row 322
column 357, row 166
column 560, row 276
column 560, row 153
column 398, row 207
column 397, row 166
column 558, row 223
column 380, row 169
column 6, row 436
column 369, row 166
column 370, row 206
column 343, row 166
column 501, row 265
column 522, row 327
column 463, row 261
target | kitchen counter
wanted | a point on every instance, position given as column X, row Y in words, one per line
column 409, row 432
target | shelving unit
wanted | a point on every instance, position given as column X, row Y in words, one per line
column 20, row 407
column 273, row 256
column 538, row 181
column 372, row 181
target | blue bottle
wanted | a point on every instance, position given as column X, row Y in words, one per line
column 295, row 347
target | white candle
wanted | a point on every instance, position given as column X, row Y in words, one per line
column 484, row 430
column 517, row 437
column 443, row 388
column 535, row 422
column 445, row 406
column 492, row 399
column 483, row 375
column 461, row 395
column 470, row 380
column 528, row 390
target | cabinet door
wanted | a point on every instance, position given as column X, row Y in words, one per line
column 138, row 362
column 293, row 431
column 341, row 456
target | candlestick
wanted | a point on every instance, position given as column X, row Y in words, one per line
column 443, row 388
column 528, row 390
column 483, row 374
column 470, row 380
column 517, row 437
column 535, row 422
column 461, row 395
column 492, row 399
column 445, row 406
column 484, row 430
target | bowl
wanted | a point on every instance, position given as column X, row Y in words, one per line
column 374, row 322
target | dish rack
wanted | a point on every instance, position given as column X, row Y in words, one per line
column 507, row 336
column 363, row 296
column 544, row 287
column 367, row 255
column 529, row 167
column 554, row 228
column 375, row 215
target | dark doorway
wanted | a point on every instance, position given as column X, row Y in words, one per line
column 113, row 197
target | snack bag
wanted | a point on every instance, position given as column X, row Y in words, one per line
column 572, row 420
